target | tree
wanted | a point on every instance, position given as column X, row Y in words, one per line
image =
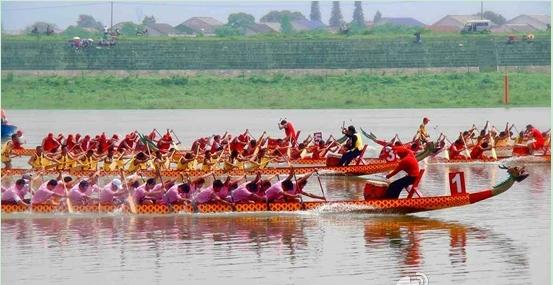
column 496, row 18
column 40, row 28
column 87, row 21
column 377, row 17
column 285, row 25
column 336, row 19
column 275, row 16
column 148, row 20
column 315, row 11
column 358, row 17
column 227, row 31
column 240, row 20
column 76, row 31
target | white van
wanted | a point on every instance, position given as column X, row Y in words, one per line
column 476, row 26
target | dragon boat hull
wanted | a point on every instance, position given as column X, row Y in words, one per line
column 389, row 206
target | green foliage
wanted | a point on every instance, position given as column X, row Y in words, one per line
column 315, row 14
column 382, row 48
column 227, row 31
column 394, row 29
column 377, row 17
column 358, row 17
column 365, row 90
column 276, row 16
column 148, row 20
column 75, row 31
column 87, row 21
column 240, row 20
column 39, row 28
column 496, row 18
column 336, row 19
column 286, row 25
column 130, row 28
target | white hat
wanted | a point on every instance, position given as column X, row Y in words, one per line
column 117, row 183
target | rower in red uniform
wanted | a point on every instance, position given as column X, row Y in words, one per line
column 165, row 143
column 50, row 144
column 103, row 143
column 407, row 163
column 17, row 142
column 535, row 134
column 238, row 143
column 455, row 150
column 127, row 143
column 289, row 130
column 477, row 151
column 85, row 143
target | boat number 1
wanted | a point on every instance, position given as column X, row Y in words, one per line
column 457, row 183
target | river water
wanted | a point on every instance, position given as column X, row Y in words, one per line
column 504, row 240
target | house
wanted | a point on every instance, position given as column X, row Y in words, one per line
column 452, row 23
column 199, row 25
column 160, row 29
column 307, row 25
column 274, row 26
column 258, row 28
column 539, row 22
column 514, row 28
column 408, row 22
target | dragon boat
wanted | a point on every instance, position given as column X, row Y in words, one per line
column 362, row 167
column 389, row 206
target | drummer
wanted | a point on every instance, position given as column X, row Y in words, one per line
column 355, row 145
column 409, row 164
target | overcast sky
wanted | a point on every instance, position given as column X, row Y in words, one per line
column 16, row 15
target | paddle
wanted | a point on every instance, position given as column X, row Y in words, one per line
column 164, row 188
column 298, row 186
column 465, row 144
column 130, row 199
column 320, row 184
column 492, row 143
column 67, row 200
column 178, row 140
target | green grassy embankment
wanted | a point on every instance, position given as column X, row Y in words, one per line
column 309, row 51
column 275, row 91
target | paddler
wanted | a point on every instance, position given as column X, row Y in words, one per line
column 300, row 184
column 290, row 132
column 207, row 163
column 80, row 194
column 128, row 143
column 477, row 151
column 38, row 160
column 139, row 162
column 409, row 164
column 280, row 191
column 177, row 194
column 211, row 194
column 456, row 149
column 141, row 194
column 422, row 134
column 89, row 161
column 537, row 137
column 64, row 161
column 50, row 144
column 45, row 192
column 18, row 140
column 12, row 195
column 7, row 154
column 216, row 144
column 186, row 162
column 113, row 193
column 355, row 145
column 165, row 143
